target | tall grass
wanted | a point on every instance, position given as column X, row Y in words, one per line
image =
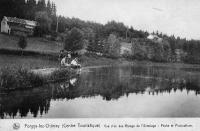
column 61, row 74
column 49, row 55
column 20, row 78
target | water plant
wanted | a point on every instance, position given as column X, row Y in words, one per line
column 61, row 74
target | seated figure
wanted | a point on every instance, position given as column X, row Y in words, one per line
column 65, row 62
column 74, row 63
column 61, row 55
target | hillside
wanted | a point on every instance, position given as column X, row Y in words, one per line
column 34, row 44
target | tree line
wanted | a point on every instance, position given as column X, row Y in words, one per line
column 99, row 38
column 40, row 11
column 26, row 9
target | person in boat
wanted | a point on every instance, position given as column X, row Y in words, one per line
column 74, row 63
column 61, row 55
column 65, row 62
column 69, row 56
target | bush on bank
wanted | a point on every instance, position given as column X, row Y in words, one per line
column 61, row 74
column 20, row 78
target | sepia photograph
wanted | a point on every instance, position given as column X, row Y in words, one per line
column 99, row 59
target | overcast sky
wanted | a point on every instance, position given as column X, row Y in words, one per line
column 178, row 17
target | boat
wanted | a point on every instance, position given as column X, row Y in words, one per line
column 49, row 71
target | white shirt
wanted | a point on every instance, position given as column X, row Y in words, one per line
column 63, row 62
column 74, row 62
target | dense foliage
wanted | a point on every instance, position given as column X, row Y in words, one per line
column 22, row 42
column 74, row 40
column 12, row 78
column 44, row 13
column 96, row 36
column 25, row 8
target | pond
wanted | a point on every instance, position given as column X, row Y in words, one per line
column 111, row 92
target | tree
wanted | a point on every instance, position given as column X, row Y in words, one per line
column 54, row 9
column 44, row 23
column 95, row 44
column 113, row 46
column 22, row 43
column 49, row 9
column 74, row 40
column 116, row 28
column 31, row 9
column 41, row 6
column 91, row 45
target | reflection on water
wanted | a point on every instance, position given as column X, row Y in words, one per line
column 111, row 88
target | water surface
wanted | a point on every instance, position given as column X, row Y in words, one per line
column 123, row 91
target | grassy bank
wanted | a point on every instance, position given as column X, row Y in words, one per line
column 38, row 60
column 85, row 60
column 53, row 56
column 20, row 78
column 94, row 60
column 34, row 44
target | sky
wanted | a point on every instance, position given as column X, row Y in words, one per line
column 172, row 17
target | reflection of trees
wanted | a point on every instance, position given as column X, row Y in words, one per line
column 23, row 102
column 114, row 83
column 110, row 83
column 35, row 101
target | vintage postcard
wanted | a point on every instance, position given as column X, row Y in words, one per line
column 99, row 65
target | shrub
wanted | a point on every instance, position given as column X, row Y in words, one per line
column 61, row 74
column 22, row 43
column 19, row 78
column 74, row 40
column 7, row 78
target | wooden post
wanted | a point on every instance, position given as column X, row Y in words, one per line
column 57, row 25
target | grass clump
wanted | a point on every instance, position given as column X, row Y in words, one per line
column 19, row 78
column 61, row 74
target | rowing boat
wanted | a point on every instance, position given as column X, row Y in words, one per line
column 49, row 71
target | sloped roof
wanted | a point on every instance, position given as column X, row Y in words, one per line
column 20, row 21
column 151, row 37
column 32, row 23
column 126, row 45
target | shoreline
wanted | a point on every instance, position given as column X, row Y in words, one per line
column 89, row 60
column 17, row 52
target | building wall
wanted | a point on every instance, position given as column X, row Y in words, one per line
column 125, row 50
column 5, row 27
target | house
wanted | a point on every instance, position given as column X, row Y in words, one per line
column 126, row 48
column 133, row 47
column 16, row 26
column 155, row 38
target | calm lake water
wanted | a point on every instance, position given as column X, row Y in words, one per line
column 123, row 91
